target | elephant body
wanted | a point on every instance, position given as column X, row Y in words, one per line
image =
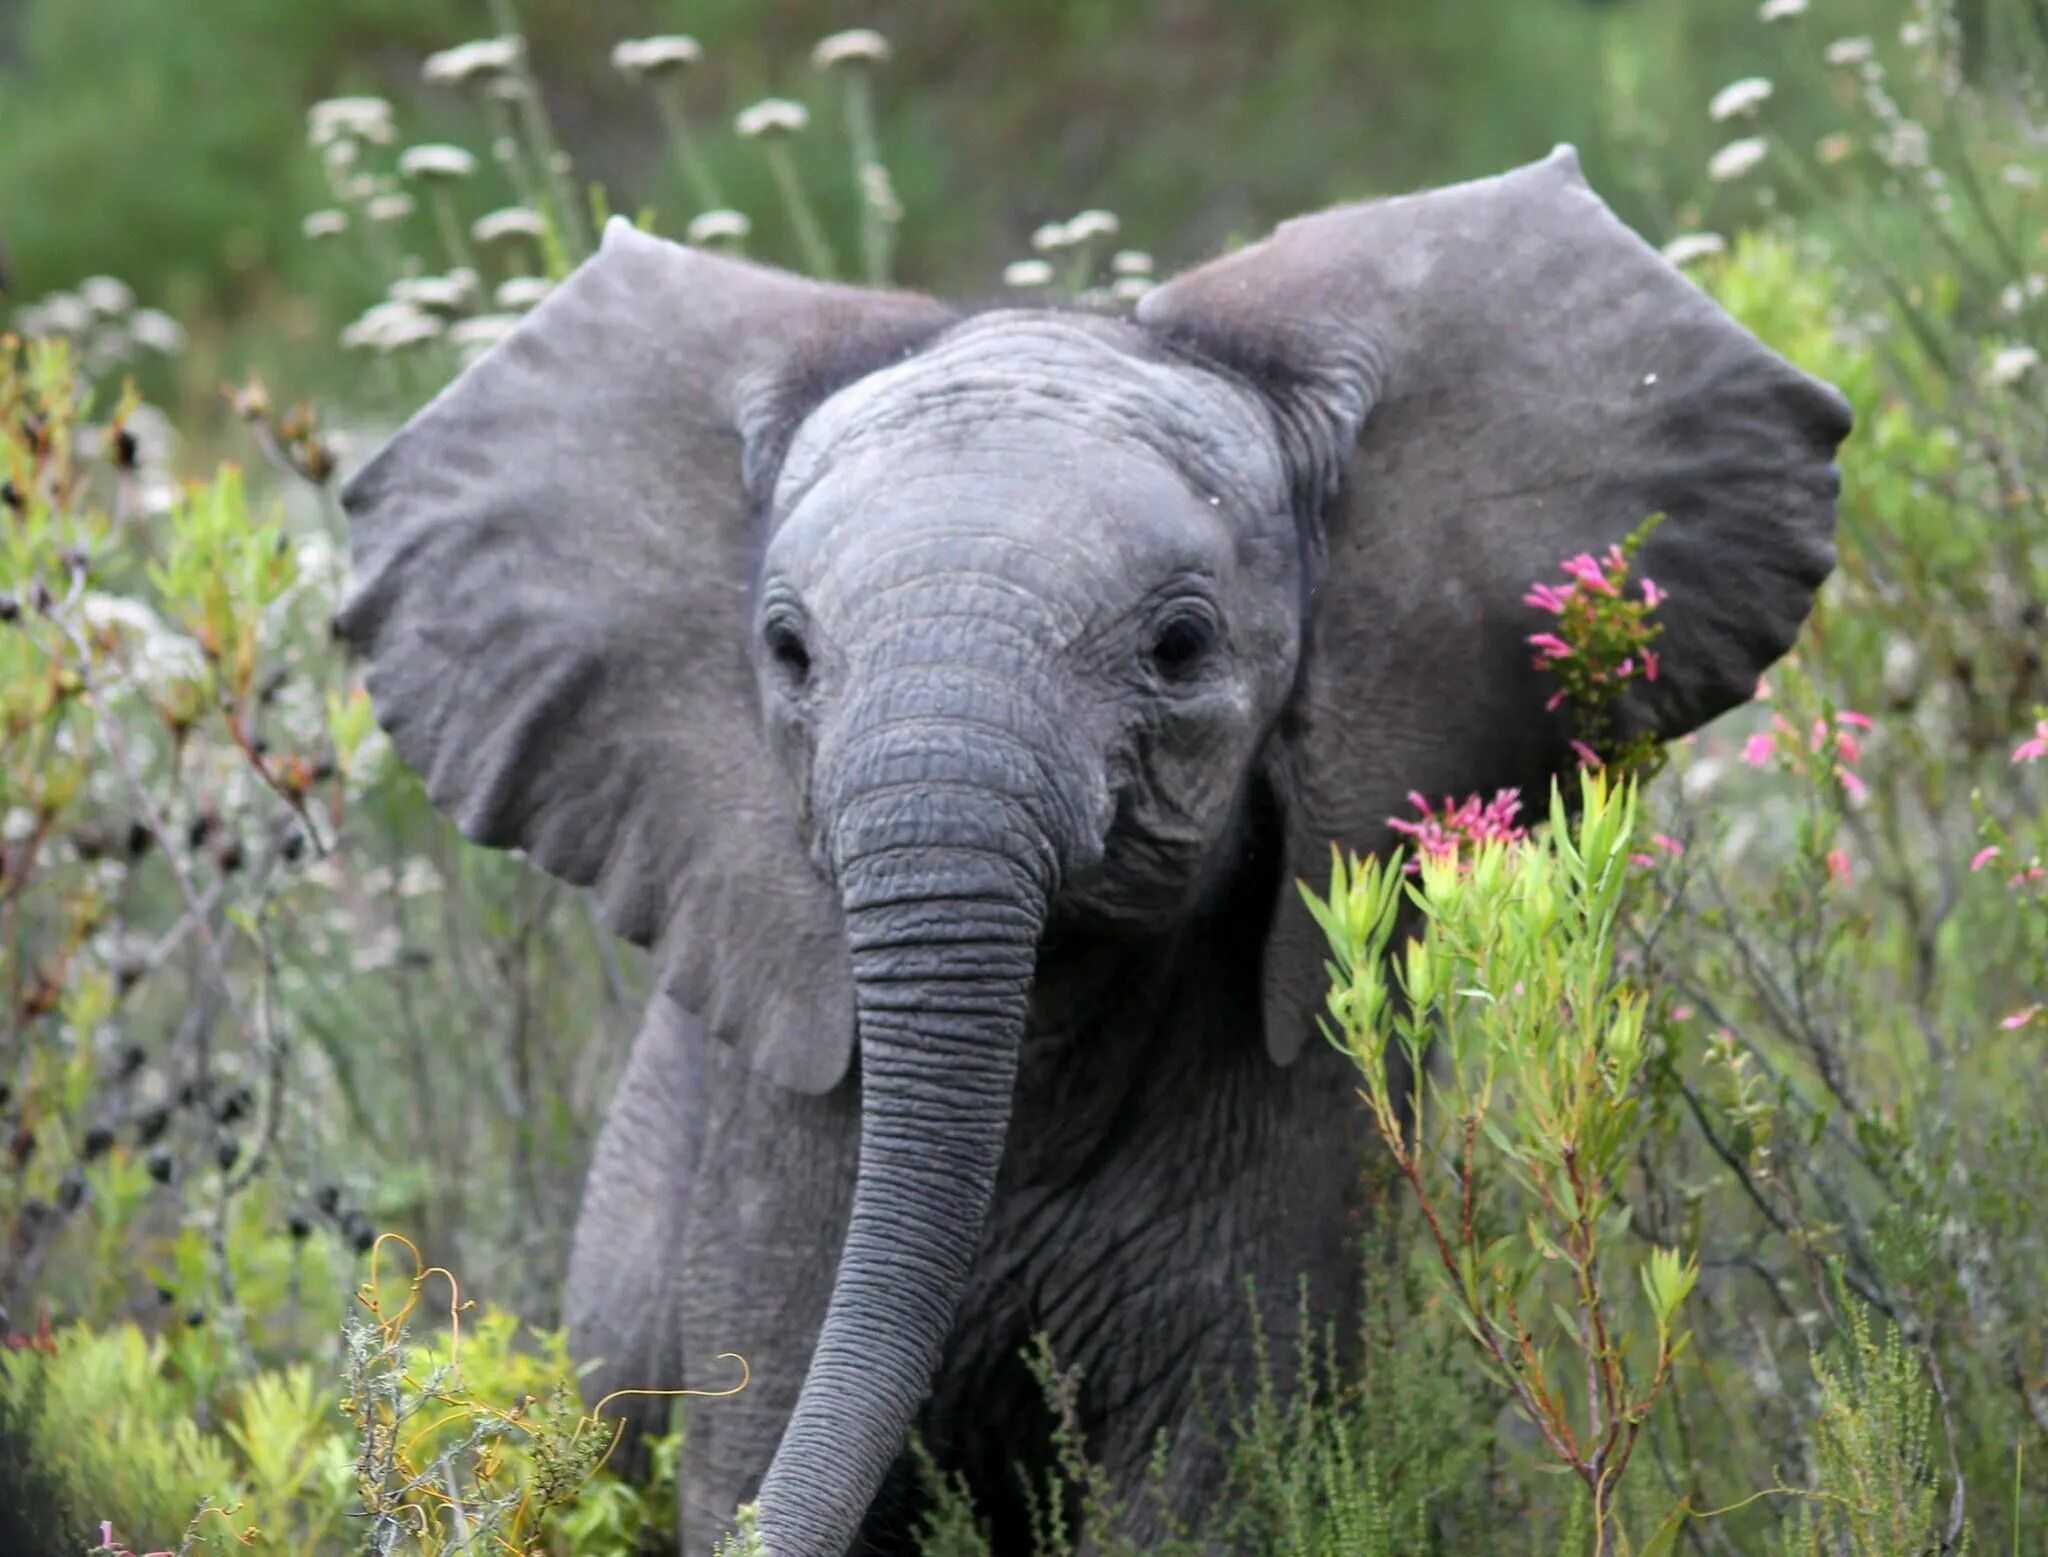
column 1161, row 1176
column 952, row 702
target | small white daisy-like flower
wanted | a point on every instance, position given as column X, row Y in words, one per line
column 340, row 156
column 479, row 333
column 389, row 208
column 1849, row 51
column 106, row 296
column 1739, row 99
column 1128, row 289
column 1905, row 145
column 719, row 226
column 482, row 60
column 1052, row 238
column 1687, row 247
column 516, row 294
column 390, row 326
column 2010, row 364
column 1090, row 225
column 364, row 118
column 1914, row 34
column 658, row 56
column 1781, row 10
column 436, row 160
column 1130, row 262
column 771, row 116
column 324, row 224
column 62, row 313
column 856, row 46
column 1027, row 273
column 1737, row 159
column 156, row 330
column 514, row 221
column 442, row 294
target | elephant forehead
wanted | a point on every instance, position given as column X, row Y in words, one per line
column 1037, row 397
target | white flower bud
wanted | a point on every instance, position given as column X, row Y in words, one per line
column 1128, row 289
column 857, row 46
column 104, row 295
column 1090, row 225
column 1027, row 273
column 1781, row 10
column 441, row 294
column 1687, row 247
column 2010, row 364
column 660, row 56
column 483, row 60
column 771, row 116
column 157, row 330
column 324, row 224
column 390, row 327
column 365, row 118
column 1737, row 158
column 514, row 221
column 1130, row 262
column 1849, row 51
column 476, row 335
column 436, row 160
column 1052, row 238
column 389, row 208
column 516, row 294
column 1739, row 99
column 720, row 226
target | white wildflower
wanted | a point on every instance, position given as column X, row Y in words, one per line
column 476, row 335
column 1026, row 273
column 1090, row 225
column 659, row 56
column 340, row 156
column 514, row 221
column 719, row 226
column 336, row 118
column 1781, row 10
column 1052, row 238
column 389, row 208
column 1849, row 51
column 391, row 326
column 106, row 296
column 1687, row 247
column 1905, row 145
column 1128, row 289
column 1130, row 262
column 857, row 46
column 484, row 59
column 771, row 116
column 436, row 160
column 62, row 313
column 157, row 330
column 2020, row 176
column 443, row 294
column 1739, row 99
column 1737, row 158
column 2010, row 364
column 160, row 655
column 518, row 293
column 1914, row 34
column 324, row 224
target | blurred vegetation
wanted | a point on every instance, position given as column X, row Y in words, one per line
column 262, row 1007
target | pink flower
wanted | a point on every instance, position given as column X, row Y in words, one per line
column 1983, row 857
column 1652, row 595
column 1549, row 597
column 1469, row 823
column 1853, row 786
column 2031, row 873
column 1758, row 750
column 1860, row 721
column 1763, row 690
column 1649, row 666
column 1838, row 865
column 1553, row 647
column 2021, row 1017
column 1626, row 668
column 1555, row 701
column 1587, row 572
column 1681, row 1013
column 1588, row 758
column 1667, row 843
column 1643, row 861
column 1850, row 748
column 2034, row 749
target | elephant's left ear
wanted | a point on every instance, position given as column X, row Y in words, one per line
column 1473, row 385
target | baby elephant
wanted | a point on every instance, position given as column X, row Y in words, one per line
column 951, row 700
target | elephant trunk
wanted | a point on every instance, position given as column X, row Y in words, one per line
column 940, row 841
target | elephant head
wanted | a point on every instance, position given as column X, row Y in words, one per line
column 846, row 645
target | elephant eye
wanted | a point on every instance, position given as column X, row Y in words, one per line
column 1181, row 644
column 785, row 644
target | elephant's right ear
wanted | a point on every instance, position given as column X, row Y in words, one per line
column 552, row 586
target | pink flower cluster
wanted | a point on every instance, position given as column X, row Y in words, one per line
column 1460, row 825
column 2035, row 747
column 1839, row 740
column 1596, row 576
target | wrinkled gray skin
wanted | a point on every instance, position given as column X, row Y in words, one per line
column 962, row 697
